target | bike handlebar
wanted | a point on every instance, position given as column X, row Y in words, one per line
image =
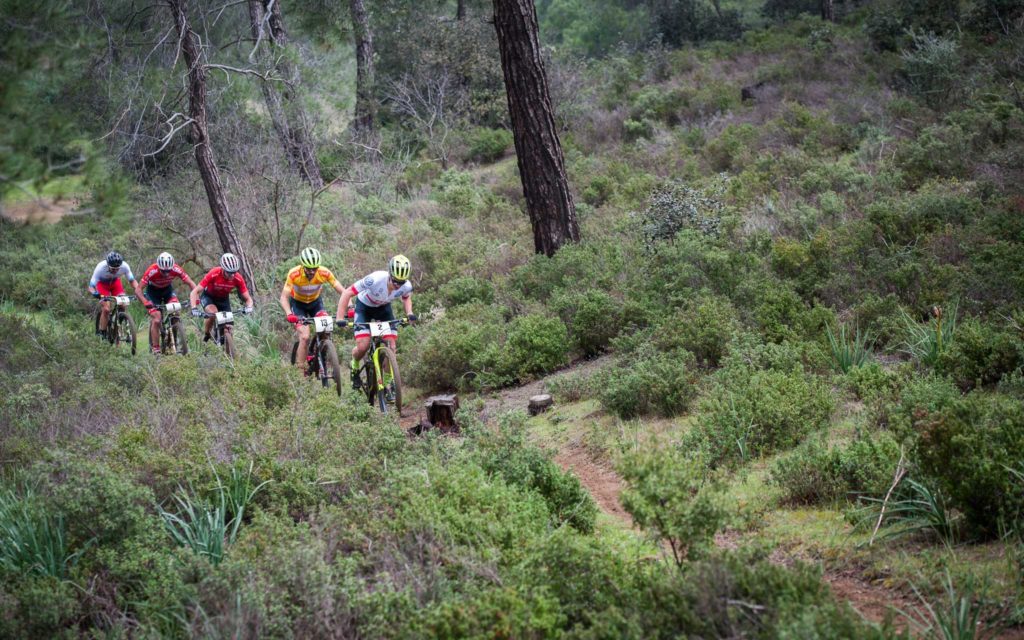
column 402, row 322
column 207, row 314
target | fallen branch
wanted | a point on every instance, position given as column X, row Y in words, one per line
column 900, row 472
column 173, row 130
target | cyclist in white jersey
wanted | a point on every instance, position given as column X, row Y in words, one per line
column 106, row 281
column 374, row 295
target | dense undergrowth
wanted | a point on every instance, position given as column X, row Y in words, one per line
column 846, row 241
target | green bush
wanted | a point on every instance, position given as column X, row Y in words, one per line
column 592, row 317
column 815, row 473
column 572, row 387
column 931, row 68
column 673, row 499
column 703, row 326
column 649, row 381
column 872, row 380
column 507, row 453
column 536, row 344
column 466, row 289
column 749, row 414
column 458, row 194
column 981, row 354
column 454, row 351
column 968, row 447
column 733, row 149
column 488, row 145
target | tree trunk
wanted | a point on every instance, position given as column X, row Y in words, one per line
column 460, row 10
column 538, row 151
column 286, row 112
column 828, row 10
column 365, row 116
column 201, row 140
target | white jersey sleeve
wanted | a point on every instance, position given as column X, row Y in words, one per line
column 373, row 289
column 102, row 274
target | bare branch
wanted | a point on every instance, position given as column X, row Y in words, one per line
column 172, row 129
column 266, row 77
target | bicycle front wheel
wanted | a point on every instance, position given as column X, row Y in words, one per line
column 124, row 331
column 178, row 331
column 229, row 344
column 331, row 370
column 389, row 362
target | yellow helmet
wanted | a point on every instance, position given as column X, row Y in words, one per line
column 399, row 268
column 310, row 258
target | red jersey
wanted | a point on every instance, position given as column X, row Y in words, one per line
column 159, row 279
column 218, row 285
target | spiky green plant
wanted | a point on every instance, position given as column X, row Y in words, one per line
column 31, row 540
column 205, row 526
column 926, row 342
column 915, row 509
column 848, row 351
column 958, row 616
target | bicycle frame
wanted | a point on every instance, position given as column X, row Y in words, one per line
column 166, row 331
column 373, row 354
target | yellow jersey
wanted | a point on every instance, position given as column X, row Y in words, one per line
column 307, row 289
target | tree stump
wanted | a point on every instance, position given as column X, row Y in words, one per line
column 440, row 412
column 539, row 404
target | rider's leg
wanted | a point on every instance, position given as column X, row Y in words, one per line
column 208, row 325
column 104, row 314
column 302, row 333
column 154, row 330
column 358, row 351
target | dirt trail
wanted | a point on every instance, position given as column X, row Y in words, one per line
column 45, row 210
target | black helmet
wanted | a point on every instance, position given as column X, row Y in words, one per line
column 114, row 259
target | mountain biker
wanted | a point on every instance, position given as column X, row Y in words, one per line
column 106, row 281
column 302, row 296
column 374, row 294
column 157, row 285
column 214, row 289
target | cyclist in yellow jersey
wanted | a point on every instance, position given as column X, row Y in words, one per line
column 302, row 296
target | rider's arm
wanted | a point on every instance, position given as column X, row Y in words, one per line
column 138, row 290
column 341, row 292
column 286, row 298
column 346, row 296
column 407, row 303
column 247, row 299
column 95, row 279
column 193, row 296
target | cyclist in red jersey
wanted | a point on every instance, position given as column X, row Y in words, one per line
column 157, row 284
column 215, row 287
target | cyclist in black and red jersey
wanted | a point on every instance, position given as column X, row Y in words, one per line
column 214, row 288
column 157, row 286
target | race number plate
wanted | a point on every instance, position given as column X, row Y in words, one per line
column 323, row 324
column 379, row 329
column 122, row 301
column 224, row 317
column 173, row 307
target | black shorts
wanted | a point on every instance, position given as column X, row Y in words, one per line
column 307, row 309
column 366, row 313
column 222, row 304
column 157, row 295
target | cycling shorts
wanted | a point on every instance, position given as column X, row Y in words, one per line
column 159, row 295
column 366, row 313
column 222, row 304
column 112, row 288
column 308, row 309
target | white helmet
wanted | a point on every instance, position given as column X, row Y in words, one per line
column 165, row 261
column 229, row 263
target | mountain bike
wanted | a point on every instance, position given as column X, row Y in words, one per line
column 223, row 328
column 378, row 375
column 321, row 354
column 172, row 329
column 120, row 326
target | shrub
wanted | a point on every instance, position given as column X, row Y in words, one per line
column 456, row 349
column 920, row 396
column 928, row 342
column 592, row 317
column 466, row 289
column 968, row 448
column 980, row 355
column 748, row 414
column 675, row 207
column 633, row 130
column 458, row 193
column 703, row 326
column 600, row 189
column 488, row 145
column 931, row 68
column 649, row 381
column 673, row 498
column 507, row 453
column 733, row 149
column 536, row 343
column 872, row 380
column 815, row 473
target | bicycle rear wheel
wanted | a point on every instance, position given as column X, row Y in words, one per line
column 388, row 361
column 367, row 379
column 331, row 370
column 124, row 330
